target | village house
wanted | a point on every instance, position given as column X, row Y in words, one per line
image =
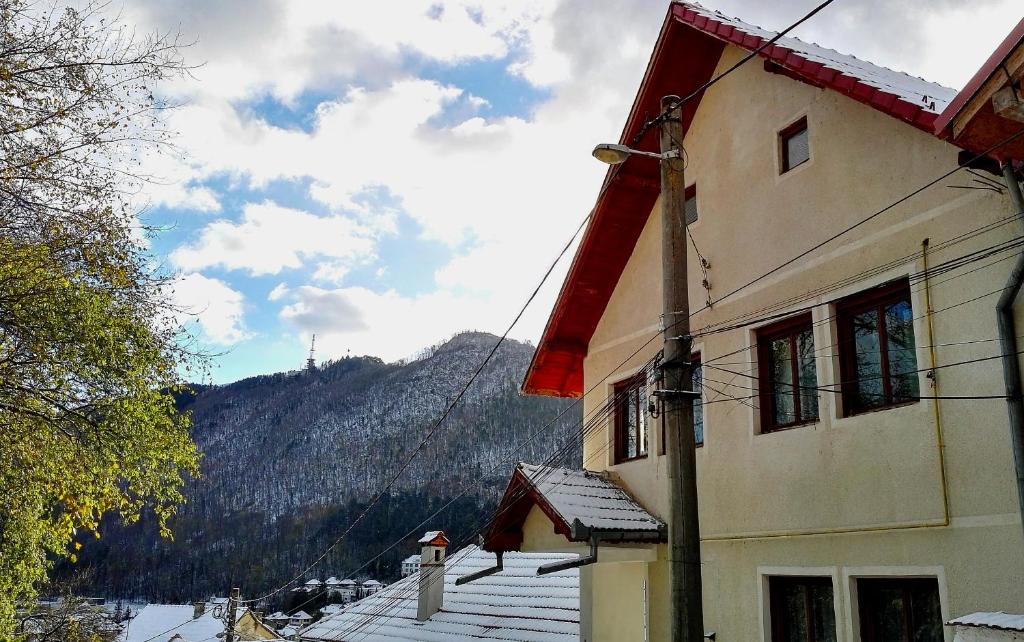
column 410, row 565
column 855, row 462
column 191, row 623
column 507, row 604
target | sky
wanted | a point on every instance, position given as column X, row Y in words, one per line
column 386, row 174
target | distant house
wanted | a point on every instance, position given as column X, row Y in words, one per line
column 369, row 587
column 300, row 618
column 313, row 585
column 190, row 622
column 348, row 591
column 333, row 586
column 410, row 565
column 511, row 604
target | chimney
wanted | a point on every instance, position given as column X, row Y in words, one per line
column 432, row 553
column 198, row 609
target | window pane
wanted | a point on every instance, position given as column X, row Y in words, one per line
column 782, row 382
column 795, row 612
column 823, row 614
column 690, row 207
column 899, row 327
column 808, row 375
column 926, row 614
column 797, row 149
column 629, row 424
column 870, row 389
column 698, row 405
column 641, row 406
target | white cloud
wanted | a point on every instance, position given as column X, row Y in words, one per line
column 214, row 305
column 515, row 188
column 270, row 238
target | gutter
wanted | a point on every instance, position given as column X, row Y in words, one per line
column 1008, row 344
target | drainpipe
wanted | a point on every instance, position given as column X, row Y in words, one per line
column 1008, row 344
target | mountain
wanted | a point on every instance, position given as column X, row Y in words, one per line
column 290, row 460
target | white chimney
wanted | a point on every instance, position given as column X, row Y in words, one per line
column 432, row 553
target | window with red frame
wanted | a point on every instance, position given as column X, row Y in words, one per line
column 877, row 351
column 788, row 375
column 631, row 418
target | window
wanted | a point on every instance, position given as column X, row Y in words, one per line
column 899, row 610
column 794, row 145
column 788, row 377
column 802, row 609
column 696, row 381
column 878, row 357
column 630, row 418
column 690, row 204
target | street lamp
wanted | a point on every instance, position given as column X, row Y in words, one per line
column 613, row 154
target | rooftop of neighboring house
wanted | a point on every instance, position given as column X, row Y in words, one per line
column 998, row 620
column 513, row 605
column 161, row 622
column 698, row 36
column 578, row 503
column 412, row 559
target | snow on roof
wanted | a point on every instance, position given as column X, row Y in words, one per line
column 278, row 615
column 513, row 605
column 332, row 608
column 332, row 580
column 590, row 497
column 301, row 615
column 313, row 582
column 412, row 559
column 160, row 623
column 347, row 582
column 997, row 620
column 371, row 583
column 929, row 96
column 430, row 536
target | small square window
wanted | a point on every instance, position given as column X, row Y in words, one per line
column 787, row 377
column 877, row 351
column 795, row 148
column 631, row 418
column 690, row 204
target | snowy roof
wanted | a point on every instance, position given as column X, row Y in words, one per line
column 591, row 498
column 434, row 537
column 313, row 582
column 301, row 615
column 332, row 608
column 161, row 622
column 371, row 583
column 412, row 559
column 347, row 582
column 927, row 95
column 278, row 615
column 332, row 580
column 513, row 605
column 997, row 620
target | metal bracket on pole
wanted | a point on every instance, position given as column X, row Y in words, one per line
column 472, row 577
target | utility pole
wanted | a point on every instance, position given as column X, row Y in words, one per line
column 229, row 634
column 687, row 612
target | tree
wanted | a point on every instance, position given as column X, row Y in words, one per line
column 90, row 346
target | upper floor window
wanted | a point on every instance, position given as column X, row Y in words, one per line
column 788, row 376
column 802, row 609
column 690, row 204
column 697, row 385
column 794, row 145
column 899, row 610
column 877, row 353
column 697, row 382
column 631, row 418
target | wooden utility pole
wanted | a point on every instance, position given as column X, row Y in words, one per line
column 229, row 634
column 683, row 530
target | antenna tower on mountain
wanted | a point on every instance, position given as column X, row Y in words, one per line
column 311, row 361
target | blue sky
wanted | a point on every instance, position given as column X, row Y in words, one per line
column 387, row 175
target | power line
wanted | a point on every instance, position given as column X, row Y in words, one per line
column 663, row 116
column 444, row 415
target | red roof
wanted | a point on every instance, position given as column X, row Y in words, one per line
column 697, row 36
column 983, row 130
